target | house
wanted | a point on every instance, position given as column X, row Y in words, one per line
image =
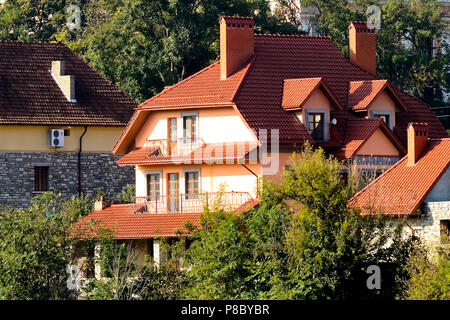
column 240, row 119
column 59, row 119
column 417, row 187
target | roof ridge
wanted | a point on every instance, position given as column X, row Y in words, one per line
column 278, row 35
column 249, row 64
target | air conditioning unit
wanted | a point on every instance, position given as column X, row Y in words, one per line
column 56, row 138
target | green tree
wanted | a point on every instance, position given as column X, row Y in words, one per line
column 301, row 243
column 430, row 277
column 36, row 247
column 31, row 20
column 128, row 194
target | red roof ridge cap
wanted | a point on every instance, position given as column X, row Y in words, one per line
column 248, row 65
column 290, row 35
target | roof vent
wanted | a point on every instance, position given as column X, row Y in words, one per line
column 65, row 82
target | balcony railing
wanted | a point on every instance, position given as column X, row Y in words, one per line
column 167, row 147
column 192, row 203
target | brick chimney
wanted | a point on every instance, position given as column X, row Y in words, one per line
column 236, row 43
column 417, row 141
column 362, row 45
column 65, row 82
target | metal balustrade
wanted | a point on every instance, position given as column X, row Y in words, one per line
column 191, row 203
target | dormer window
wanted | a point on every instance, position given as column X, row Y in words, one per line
column 385, row 115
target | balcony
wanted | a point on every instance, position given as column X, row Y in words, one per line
column 192, row 203
column 169, row 148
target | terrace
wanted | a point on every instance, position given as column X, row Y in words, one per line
column 191, row 203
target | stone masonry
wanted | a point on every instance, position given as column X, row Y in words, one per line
column 98, row 170
column 427, row 226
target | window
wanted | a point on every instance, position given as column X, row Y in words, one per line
column 192, row 184
column 153, row 185
column 190, row 127
column 445, row 231
column 172, row 134
column 316, row 125
column 40, row 179
column 385, row 115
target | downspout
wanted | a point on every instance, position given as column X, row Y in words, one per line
column 412, row 230
column 79, row 161
column 257, row 179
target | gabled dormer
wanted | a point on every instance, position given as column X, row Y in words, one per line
column 311, row 101
column 375, row 99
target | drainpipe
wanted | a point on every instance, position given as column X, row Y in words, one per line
column 79, row 161
column 412, row 230
column 257, row 179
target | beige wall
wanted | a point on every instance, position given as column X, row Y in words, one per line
column 378, row 145
column 317, row 101
column 214, row 125
column 235, row 177
column 35, row 138
column 383, row 103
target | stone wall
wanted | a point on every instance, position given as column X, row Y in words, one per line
column 98, row 170
column 428, row 226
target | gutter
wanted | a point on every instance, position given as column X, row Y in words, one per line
column 79, row 160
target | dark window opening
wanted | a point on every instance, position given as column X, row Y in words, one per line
column 40, row 179
column 445, row 231
column 385, row 117
column 150, row 248
column 67, row 132
column 316, row 125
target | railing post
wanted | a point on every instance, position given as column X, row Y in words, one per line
column 156, row 204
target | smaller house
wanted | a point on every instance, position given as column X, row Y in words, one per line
column 417, row 187
column 59, row 120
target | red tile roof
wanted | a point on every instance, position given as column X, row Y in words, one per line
column 355, row 132
column 30, row 95
column 296, row 92
column 361, row 26
column 402, row 188
column 237, row 20
column 257, row 88
column 202, row 88
column 208, row 153
column 362, row 93
column 127, row 224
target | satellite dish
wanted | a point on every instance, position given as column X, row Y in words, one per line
column 334, row 121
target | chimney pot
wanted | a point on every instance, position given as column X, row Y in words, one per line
column 236, row 43
column 417, row 141
column 362, row 46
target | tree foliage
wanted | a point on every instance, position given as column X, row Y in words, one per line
column 35, row 247
column 302, row 243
